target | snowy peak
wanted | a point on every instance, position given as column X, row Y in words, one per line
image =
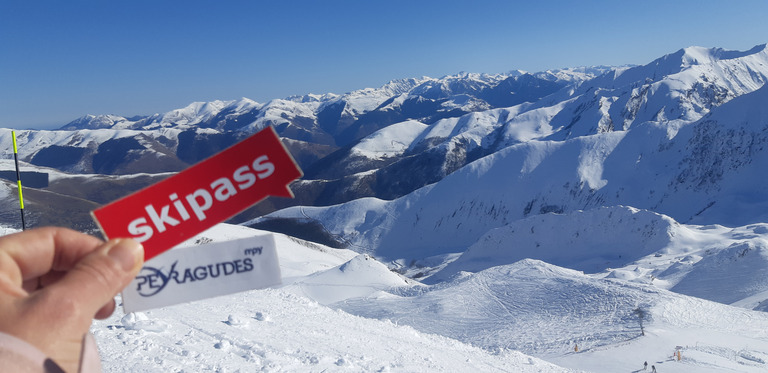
column 461, row 83
column 573, row 75
column 400, row 86
column 203, row 114
column 360, row 277
column 97, row 122
column 196, row 113
column 702, row 164
column 677, row 88
column 533, row 269
column 193, row 113
column 311, row 97
column 701, row 61
column 699, row 55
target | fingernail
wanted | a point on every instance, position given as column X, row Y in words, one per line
column 127, row 252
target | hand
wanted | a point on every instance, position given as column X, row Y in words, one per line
column 55, row 281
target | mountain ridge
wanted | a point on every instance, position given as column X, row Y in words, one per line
column 702, row 171
column 414, row 132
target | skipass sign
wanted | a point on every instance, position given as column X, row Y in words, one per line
column 181, row 206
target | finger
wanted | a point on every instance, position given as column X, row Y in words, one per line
column 38, row 251
column 105, row 310
column 94, row 281
column 50, row 278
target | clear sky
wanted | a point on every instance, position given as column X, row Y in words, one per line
column 60, row 60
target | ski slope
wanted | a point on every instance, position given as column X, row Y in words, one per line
column 547, row 311
column 341, row 311
column 275, row 330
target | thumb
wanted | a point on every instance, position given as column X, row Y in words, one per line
column 99, row 276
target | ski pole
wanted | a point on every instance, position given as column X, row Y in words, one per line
column 18, row 180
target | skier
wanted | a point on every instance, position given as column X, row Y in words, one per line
column 653, row 369
column 54, row 282
column 645, row 365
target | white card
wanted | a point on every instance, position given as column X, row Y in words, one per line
column 198, row 272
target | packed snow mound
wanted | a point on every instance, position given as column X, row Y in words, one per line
column 360, row 277
column 547, row 311
column 140, row 321
column 730, row 275
column 589, row 241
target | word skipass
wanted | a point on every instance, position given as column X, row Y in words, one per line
column 183, row 205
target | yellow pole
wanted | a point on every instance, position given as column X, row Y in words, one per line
column 18, row 180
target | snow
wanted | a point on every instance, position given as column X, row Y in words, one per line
column 359, row 277
column 343, row 311
column 547, row 311
column 699, row 172
column 390, row 141
column 530, row 125
column 31, row 141
column 471, row 127
column 277, row 111
column 193, row 113
column 589, row 241
column 276, row 330
column 364, row 100
column 574, row 75
column 611, row 223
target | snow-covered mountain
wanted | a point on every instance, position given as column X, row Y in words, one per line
column 673, row 91
column 702, row 166
column 341, row 119
column 312, row 127
column 390, row 141
column 593, row 218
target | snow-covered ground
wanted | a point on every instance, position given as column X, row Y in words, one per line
column 276, row 330
column 338, row 310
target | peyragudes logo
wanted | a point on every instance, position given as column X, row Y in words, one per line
column 151, row 281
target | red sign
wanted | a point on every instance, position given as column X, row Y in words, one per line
column 181, row 206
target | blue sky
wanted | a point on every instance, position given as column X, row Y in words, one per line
column 60, row 60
